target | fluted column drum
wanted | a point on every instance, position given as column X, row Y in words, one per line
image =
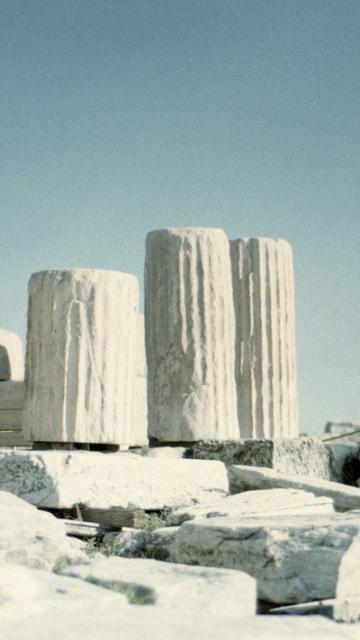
column 190, row 336
column 263, row 287
column 81, row 356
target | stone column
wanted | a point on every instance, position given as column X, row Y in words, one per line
column 190, row 336
column 263, row 287
column 11, row 356
column 81, row 356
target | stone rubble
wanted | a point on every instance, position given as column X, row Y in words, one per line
column 243, row 478
column 294, row 558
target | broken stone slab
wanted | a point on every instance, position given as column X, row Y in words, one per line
column 243, row 478
column 344, row 611
column 30, row 537
column 346, row 432
column 293, row 558
column 256, row 503
column 11, row 356
column 81, row 357
column 190, row 336
column 37, row 604
column 263, row 288
column 301, row 456
column 62, row 479
column 12, row 395
column 218, row 592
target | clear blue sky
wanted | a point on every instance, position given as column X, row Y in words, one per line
column 118, row 117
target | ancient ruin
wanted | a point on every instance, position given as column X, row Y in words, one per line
column 214, row 473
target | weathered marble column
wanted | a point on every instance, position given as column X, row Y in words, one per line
column 11, row 356
column 81, row 356
column 190, row 336
column 263, row 286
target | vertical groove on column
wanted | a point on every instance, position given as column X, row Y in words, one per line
column 265, row 348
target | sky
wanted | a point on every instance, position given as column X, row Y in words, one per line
column 120, row 117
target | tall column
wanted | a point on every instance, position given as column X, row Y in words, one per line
column 81, row 356
column 263, row 287
column 190, row 336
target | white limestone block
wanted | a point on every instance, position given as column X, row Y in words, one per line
column 28, row 536
column 293, row 558
column 190, row 336
column 62, row 479
column 243, row 478
column 56, row 607
column 255, row 504
column 11, row 356
column 81, row 356
column 192, row 590
column 44, row 605
column 263, row 287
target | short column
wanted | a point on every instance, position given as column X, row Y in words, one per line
column 190, row 336
column 81, row 356
column 263, row 285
